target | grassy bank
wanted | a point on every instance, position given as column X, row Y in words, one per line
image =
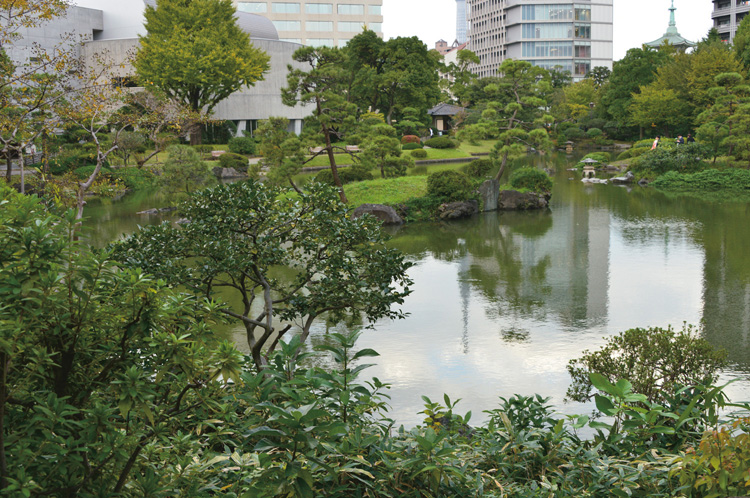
column 389, row 191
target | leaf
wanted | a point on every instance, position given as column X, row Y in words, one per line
column 604, row 405
column 600, row 382
column 365, row 352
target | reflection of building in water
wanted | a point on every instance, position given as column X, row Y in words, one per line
column 538, row 267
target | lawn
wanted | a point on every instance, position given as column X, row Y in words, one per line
column 389, row 191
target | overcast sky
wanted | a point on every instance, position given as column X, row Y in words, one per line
column 636, row 21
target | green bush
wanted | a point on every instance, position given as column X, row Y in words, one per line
column 419, row 154
column 531, row 179
column 69, row 160
column 687, row 158
column 410, row 139
column 479, row 168
column 602, row 157
column 411, row 146
column 450, row 185
column 594, row 133
column 231, row 160
column 441, row 143
column 203, row 150
column 626, row 154
column 242, row 145
column 573, row 133
column 84, row 172
column 134, row 178
column 346, row 175
column 709, row 180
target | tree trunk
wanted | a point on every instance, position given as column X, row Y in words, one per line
column 500, row 172
column 22, row 163
column 331, row 158
column 196, row 134
column 3, row 398
column 8, row 167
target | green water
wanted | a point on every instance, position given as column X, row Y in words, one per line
column 503, row 301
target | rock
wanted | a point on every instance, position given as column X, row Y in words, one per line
column 224, row 173
column 490, row 192
column 642, row 182
column 456, row 210
column 628, row 178
column 386, row 214
column 157, row 210
column 515, row 200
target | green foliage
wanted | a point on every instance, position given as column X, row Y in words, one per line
column 236, row 161
column 383, row 151
column 709, row 180
column 84, row 172
column 531, row 179
column 594, row 133
column 69, row 160
column 346, row 175
column 479, row 168
column 252, row 230
column 450, row 185
column 419, row 154
column 183, row 170
column 134, row 178
column 572, row 134
column 412, row 146
column 242, row 145
column 281, row 150
column 656, row 361
column 410, row 139
column 441, row 143
column 687, row 158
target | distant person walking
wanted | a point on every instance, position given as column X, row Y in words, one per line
column 656, row 143
column 679, row 140
column 690, row 139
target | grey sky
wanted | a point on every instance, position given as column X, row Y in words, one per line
column 636, row 21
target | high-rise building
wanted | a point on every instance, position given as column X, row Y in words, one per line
column 727, row 16
column 462, row 23
column 319, row 22
column 553, row 34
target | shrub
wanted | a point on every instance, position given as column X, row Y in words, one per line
column 69, row 160
column 531, row 179
column 626, row 154
column 346, row 175
column 204, row 150
column 231, row 160
column 710, row 180
column 687, row 158
column 602, row 157
column 441, row 143
column 573, row 133
column 134, row 178
column 419, row 154
column 654, row 360
column 84, row 172
column 410, row 139
column 479, row 168
column 411, row 146
column 450, row 185
column 594, row 133
column 242, row 145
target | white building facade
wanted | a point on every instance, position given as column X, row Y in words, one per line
column 574, row 37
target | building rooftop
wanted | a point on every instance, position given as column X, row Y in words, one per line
column 672, row 36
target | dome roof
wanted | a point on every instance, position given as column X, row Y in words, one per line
column 255, row 25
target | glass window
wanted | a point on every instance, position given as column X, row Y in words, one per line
column 285, row 8
column 351, row 9
column 320, row 42
column 583, row 31
column 255, row 7
column 287, row 25
column 583, row 13
column 547, row 12
column 376, row 27
column 319, row 26
column 291, row 40
column 547, row 49
column 583, row 49
column 562, row 66
column 351, row 26
column 548, row 30
column 375, row 10
column 582, row 68
column 319, row 8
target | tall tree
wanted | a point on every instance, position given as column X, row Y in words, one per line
column 458, row 76
column 195, row 53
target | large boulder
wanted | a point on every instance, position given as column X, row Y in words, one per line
column 515, row 200
column 227, row 173
column 456, row 210
column 386, row 214
column 490, row 192
column 628, row 178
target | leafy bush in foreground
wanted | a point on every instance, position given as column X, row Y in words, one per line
column 532, row 179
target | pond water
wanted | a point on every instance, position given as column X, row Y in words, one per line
column 501, row 302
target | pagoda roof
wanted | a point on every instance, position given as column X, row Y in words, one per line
column 672, row 36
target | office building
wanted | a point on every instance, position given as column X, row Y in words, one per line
column 462, row 22
column 727, row 16
column 318, row 22
column 553, row 34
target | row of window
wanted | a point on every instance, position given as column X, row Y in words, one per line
column 348, row 9
column 556, row 49
column 575, row 68
column 327, row 26
column 556, row 13
column 725, row 4
column 556, row 30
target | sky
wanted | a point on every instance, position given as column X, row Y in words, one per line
column 636, row 21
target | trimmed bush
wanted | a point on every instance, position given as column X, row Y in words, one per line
column 419, row 154
column 134, row 178
column 231, row 160
column 84, row 172
column 626, row 154
column 479, row 168
column 410, row 139
column 531, row 179
column 594, row 133
column 204, row 150
column 450, row 185
column 411, row 146
column 573, row 133
column 687, row 158
column 346, row 175
column 441, row 143
column 602, row 157
column 242, row 145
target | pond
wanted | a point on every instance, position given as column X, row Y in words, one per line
column 501, row 302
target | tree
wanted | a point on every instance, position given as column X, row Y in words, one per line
column 382, row 150
column 705, row 66
column 741, row 43
column 184, row 170
column 729, row 95
column 281, row 150
column 657, row 108
column 522, row 121
column 282, row 259
column 106, row 375
column 363, row 62
column 195, row 53
column 599, row 75
column 459, row 75
column 321, row 85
